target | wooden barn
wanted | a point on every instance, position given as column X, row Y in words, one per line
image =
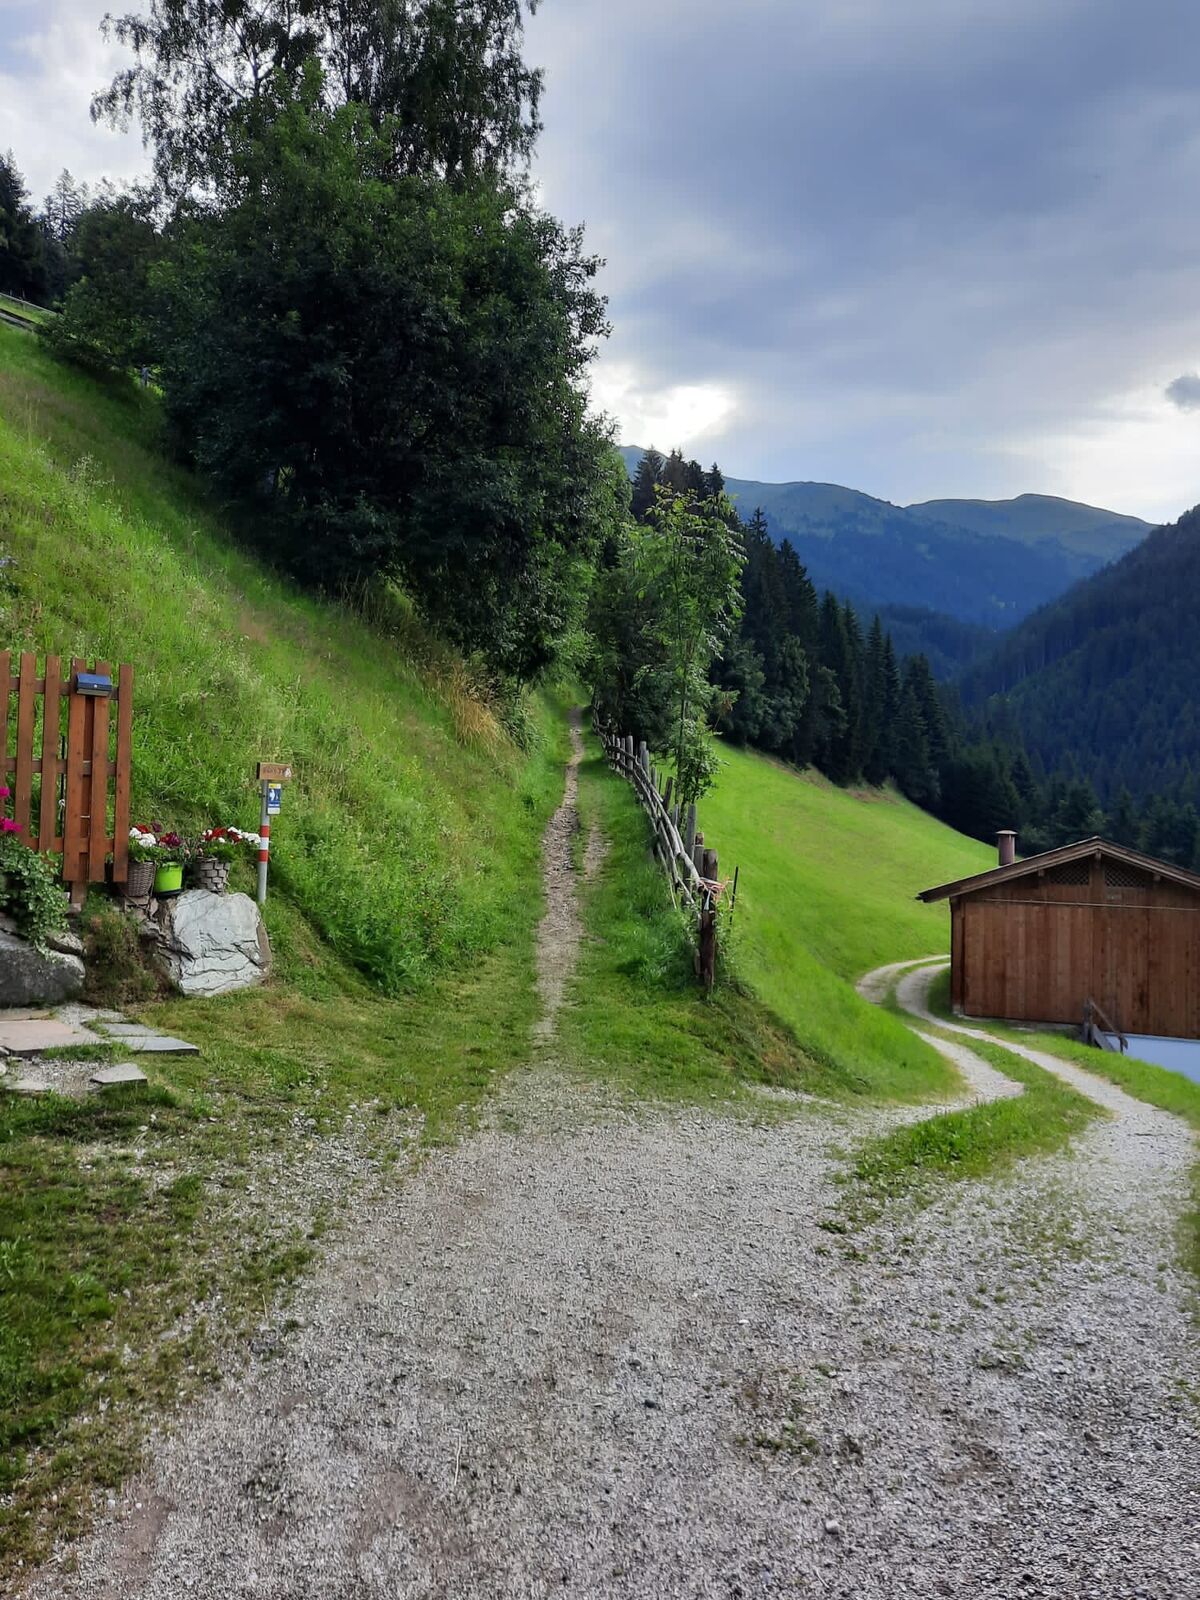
column 1035, row 940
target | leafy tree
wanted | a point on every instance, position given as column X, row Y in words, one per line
column 690, row 560
column 443, row 81
column 109, row 318
column 392, row 370
column 22, row 267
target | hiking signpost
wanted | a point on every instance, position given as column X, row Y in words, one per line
column 272, row 775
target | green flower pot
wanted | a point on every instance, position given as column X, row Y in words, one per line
column 168, row 878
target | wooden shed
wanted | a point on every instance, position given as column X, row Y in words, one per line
column 1034, row 940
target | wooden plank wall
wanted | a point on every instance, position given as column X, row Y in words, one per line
column 1039, row 961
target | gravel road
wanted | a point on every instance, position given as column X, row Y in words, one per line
column 608, row 1355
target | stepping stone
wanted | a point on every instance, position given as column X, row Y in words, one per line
column 24, row 1014
column 140, row 1040
column 35, row 1037
column 123, row 1072
column 30, row 1086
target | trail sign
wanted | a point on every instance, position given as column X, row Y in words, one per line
column 272, row 775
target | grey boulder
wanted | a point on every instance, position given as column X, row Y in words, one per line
column 212, row 944
column 29, row 978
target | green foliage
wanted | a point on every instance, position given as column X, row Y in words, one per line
column 664, row 608
column 108, row 317
column 31, row 891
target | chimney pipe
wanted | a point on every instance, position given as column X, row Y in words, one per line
column 1007, row 841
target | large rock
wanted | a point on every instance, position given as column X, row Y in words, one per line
column 212, row 943
column 28, row 978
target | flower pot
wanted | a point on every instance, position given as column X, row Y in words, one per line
column 211, row 874
column 168, row 878
column 139, row 880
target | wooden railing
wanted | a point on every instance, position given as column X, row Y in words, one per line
column 1097, row 1030
column 691, row 866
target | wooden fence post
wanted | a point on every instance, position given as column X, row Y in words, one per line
column 689, row 830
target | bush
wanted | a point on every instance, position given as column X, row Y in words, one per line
column 30, row 892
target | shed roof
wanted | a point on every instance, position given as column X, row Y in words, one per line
column 1032, row 865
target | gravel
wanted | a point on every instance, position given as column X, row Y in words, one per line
column 617, row 1355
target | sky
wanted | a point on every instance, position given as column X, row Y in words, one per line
column 943, row 247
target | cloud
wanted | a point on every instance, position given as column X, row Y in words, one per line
column 1184, row 391
column 937, row 248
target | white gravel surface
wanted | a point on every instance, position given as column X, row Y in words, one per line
column 618, row 1356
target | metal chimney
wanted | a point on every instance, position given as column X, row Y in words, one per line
column 1007, row 841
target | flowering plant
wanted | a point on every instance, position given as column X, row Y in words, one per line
column 7, row 825
column 225, row 844
column 155, row 844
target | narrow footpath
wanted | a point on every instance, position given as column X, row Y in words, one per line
column 624, row 1357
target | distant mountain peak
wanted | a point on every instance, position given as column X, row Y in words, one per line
column 988, row 562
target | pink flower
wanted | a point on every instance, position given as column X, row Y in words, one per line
column 5, row 791
column 7, row 825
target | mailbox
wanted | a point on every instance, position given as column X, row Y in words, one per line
column 98, row 684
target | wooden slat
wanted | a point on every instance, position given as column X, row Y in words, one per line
column 26, row 713
column 78, row 749
column 48, row 765
column 5, row 691
column 123, row 774
column 98, row 786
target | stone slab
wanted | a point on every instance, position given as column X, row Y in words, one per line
column 36, row 1037
column 147, row 1041
column 123, row 1072
column 25, row 1014
column 31, row 1086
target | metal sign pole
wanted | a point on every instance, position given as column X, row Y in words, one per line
column 264, row 848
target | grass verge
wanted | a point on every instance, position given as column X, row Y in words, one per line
column 913, row 1162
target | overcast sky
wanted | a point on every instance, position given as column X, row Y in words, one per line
column 922, row 247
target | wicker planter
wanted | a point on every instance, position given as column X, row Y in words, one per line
column 139, row 880
column 211, row 874
column 168, row 878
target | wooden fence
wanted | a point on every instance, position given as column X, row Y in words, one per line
column 60, row 776
column 692, row 867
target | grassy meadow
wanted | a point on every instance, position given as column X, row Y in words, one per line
column 826, row 891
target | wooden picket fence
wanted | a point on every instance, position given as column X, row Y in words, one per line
column 692, row 867
column 62, row 767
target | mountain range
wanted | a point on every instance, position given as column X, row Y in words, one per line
column 984, row 563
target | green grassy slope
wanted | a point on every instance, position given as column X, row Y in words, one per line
column 827, row 881
column 403, row 847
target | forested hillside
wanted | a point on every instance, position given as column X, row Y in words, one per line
column 1107, row 676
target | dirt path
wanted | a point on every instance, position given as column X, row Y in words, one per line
column 626, row 1359
column 560, row 930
